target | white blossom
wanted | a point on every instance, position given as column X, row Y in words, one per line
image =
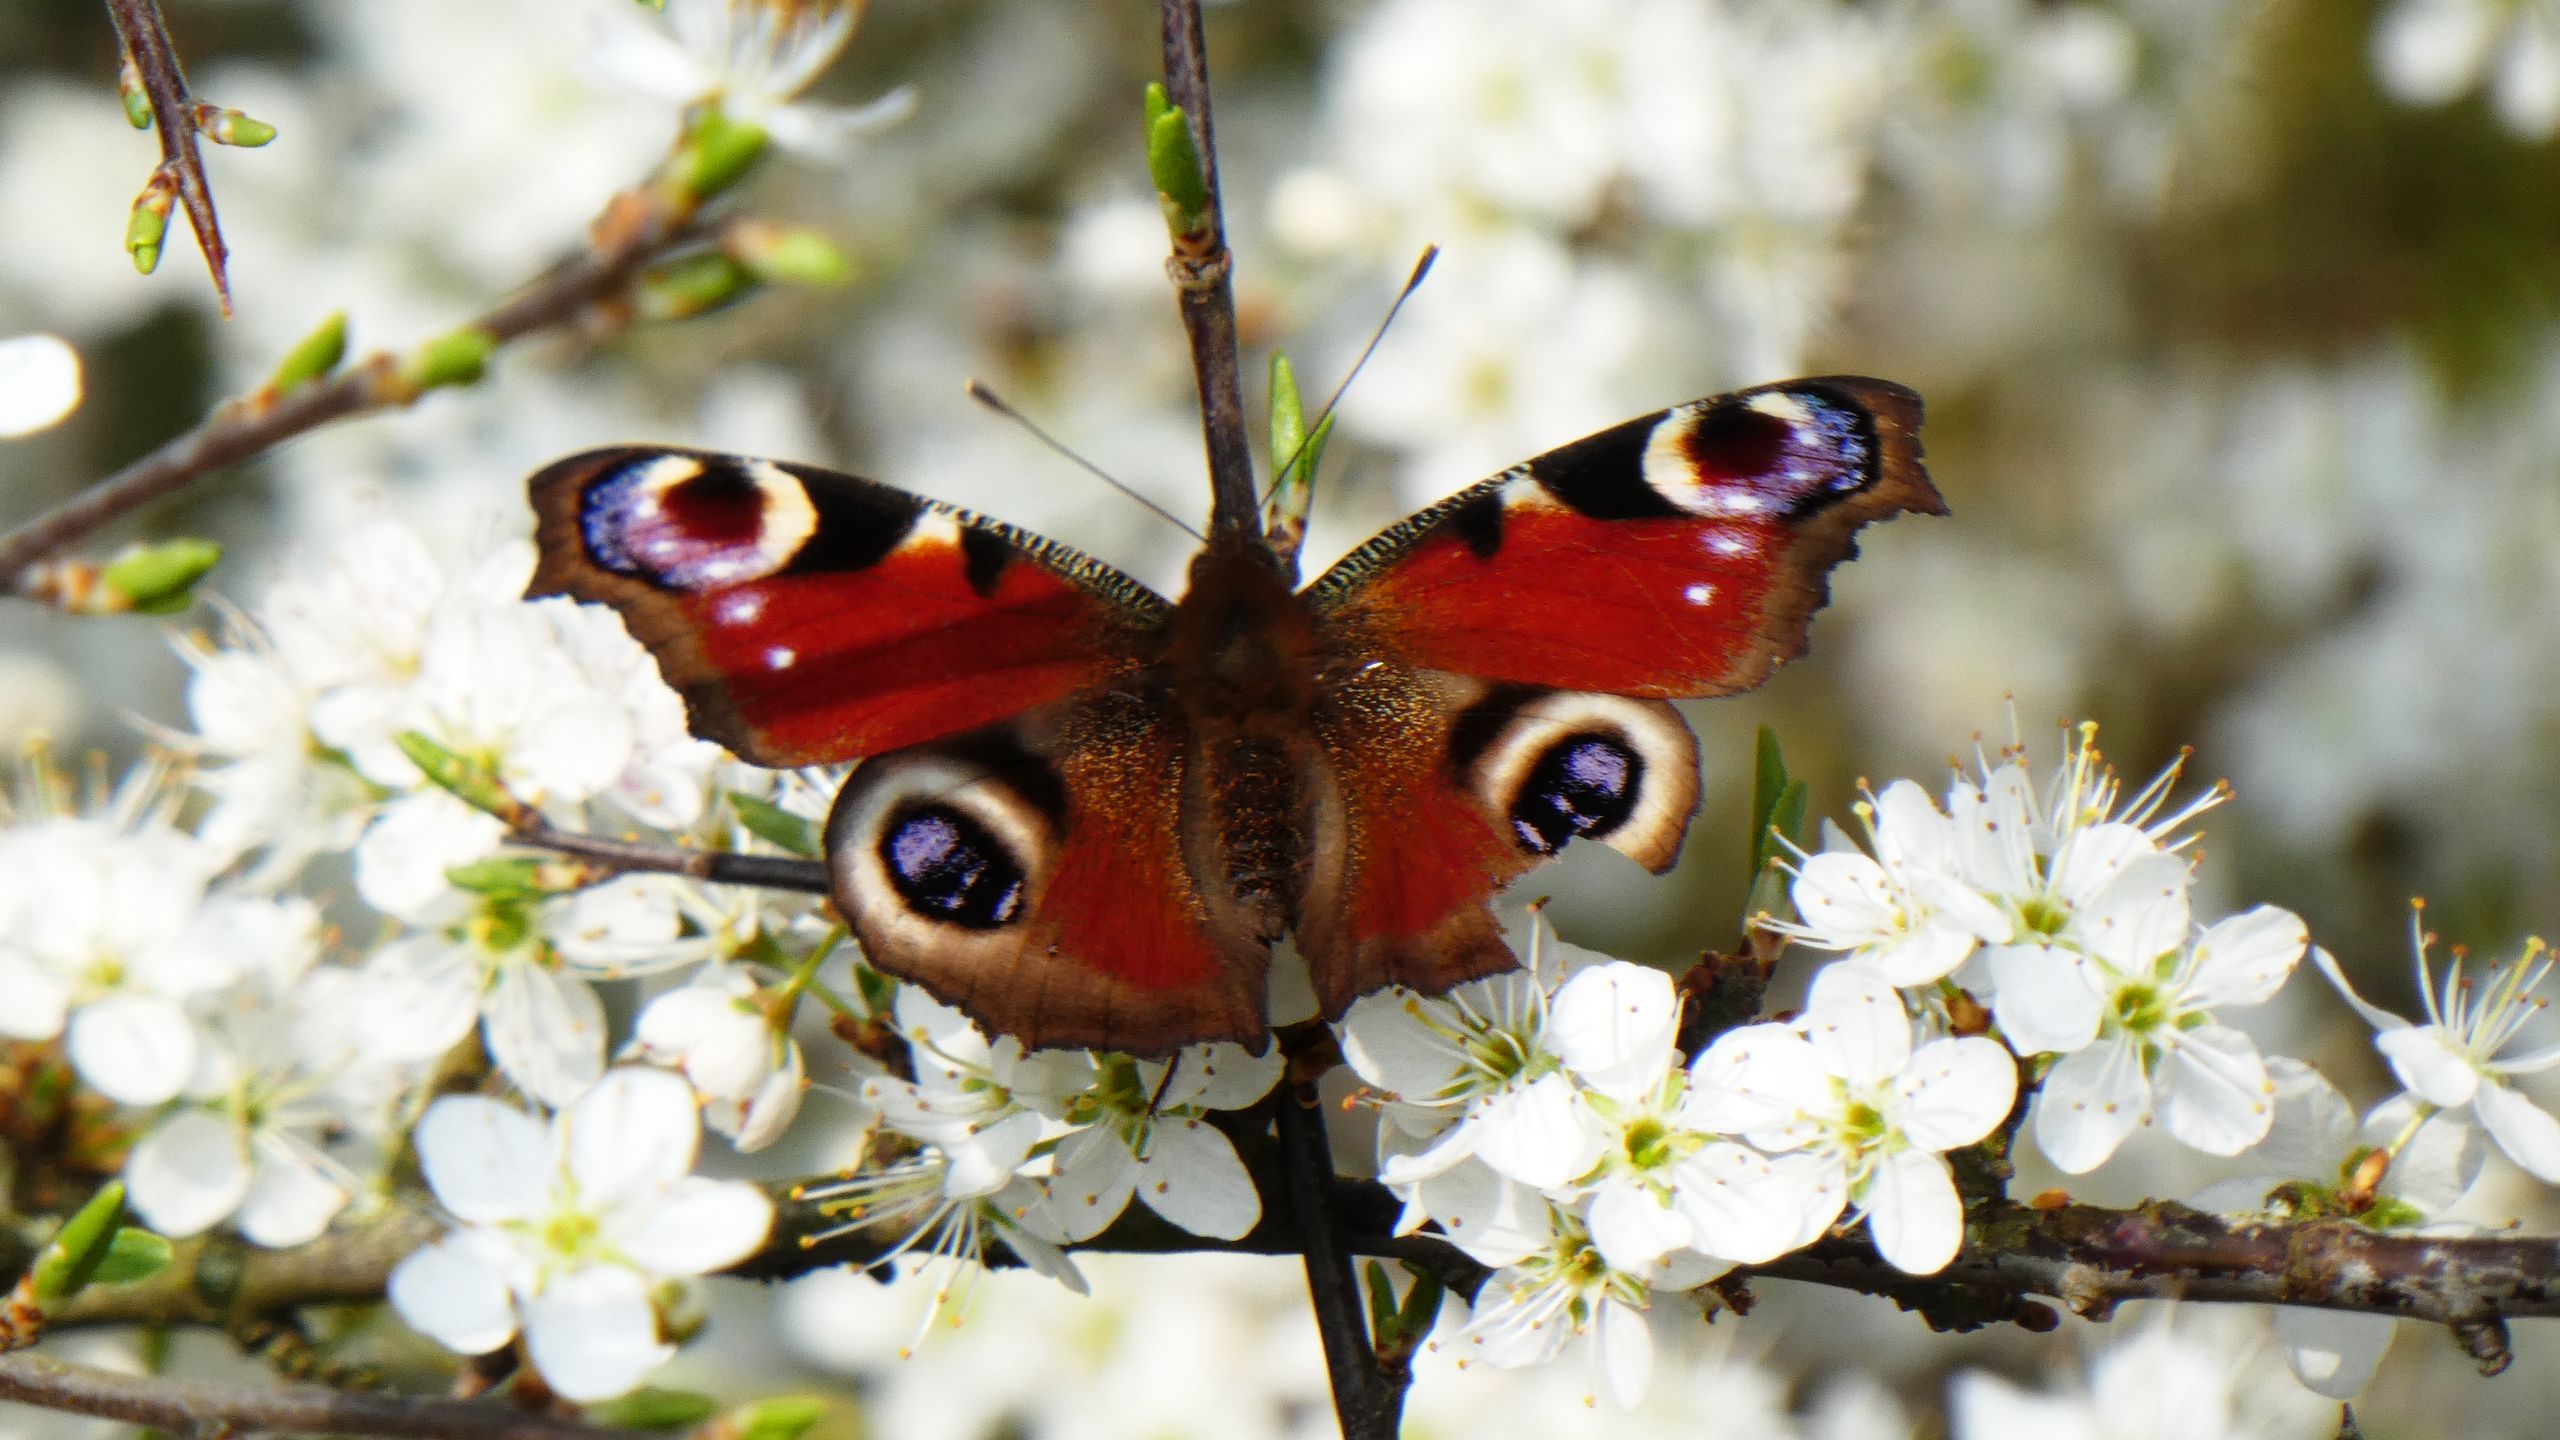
column 2453, row 1060
column 741, row 1058
column 2155, row 1038
column 1846, row 1085
column 1664, row 1181
column 1563, row 1290
column 751, row 59
column 1141, row 1129
column 1474, row 1073
column 568, row 1226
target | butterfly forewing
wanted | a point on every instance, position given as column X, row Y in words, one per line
column 1681, row 554
column 808, row 616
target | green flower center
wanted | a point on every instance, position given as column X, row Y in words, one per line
column 2044, row 915
column 1648, row 1144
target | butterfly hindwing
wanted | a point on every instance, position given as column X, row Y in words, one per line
column 1018, row 873
column 1681, row 554
column 1443, row 788
column 808, row 616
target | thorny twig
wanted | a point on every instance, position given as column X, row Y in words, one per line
column 636, row 228
column 1201, row 269
column 145, row 38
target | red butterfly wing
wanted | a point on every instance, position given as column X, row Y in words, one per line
column 1680, row 554
column 808, row 616
column 1502, row 657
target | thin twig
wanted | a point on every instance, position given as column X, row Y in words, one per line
column 1367, row 1403
column 195, row 1407
column 249, row 426
column 145, row 37
column 1201, row 270
column 727, row 867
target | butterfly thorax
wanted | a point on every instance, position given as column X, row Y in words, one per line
column 1241, row 663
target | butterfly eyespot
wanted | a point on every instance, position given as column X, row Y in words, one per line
column 948, row 867
column 1581, row 787
column 689, row 522
column 1554, row 767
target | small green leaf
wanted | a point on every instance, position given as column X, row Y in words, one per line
column 691, row 285
column 134, row 1254
column 457, row 357
column 137, row 101
column 72, row 1258
column 160, row 579
column 1421, row 1305
column 770, row 822
column 1314, row 457
column 650, row 1408
column 1288, row 416
column 1173, row 162
column 504, row 879
column 716, row 153
column 230, row 127
column 1787, row 820
column 780, row 255
column 452, row 773
column 313, row 356
column 784, row 1417
column 1768, row 788
column 146, row 227
column 1382, row 1305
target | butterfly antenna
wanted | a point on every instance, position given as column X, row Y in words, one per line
column 984, row 396
column 1412, row 283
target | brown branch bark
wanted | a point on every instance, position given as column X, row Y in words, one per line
column 145, row 38
column 198, row 1407
column 638, row 228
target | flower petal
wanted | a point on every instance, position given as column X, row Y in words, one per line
column 1190, row 1175
column 2245, row 959
column 188, row 1174
column 593, row 1334
column 1756, row 1079
column 1913, row 1213
column 2430, row 1064
column 1738, row 1204
column 2044, row 998
column 455, row 1293
column 1857, row 1024
column 545, row 1029
column 2214, row 1090
column 635, row 1131
column 1535, row 1133
column 291, row 1199
column 1613, row 1026
column 2333, row 1352
column 485, row 1161
column 1090, row 1182
column 2140, row 916
column 1632, row 1227
column 697, row 1226
column 2089, row 1102
column 1954, row 1091
column 2525, row 1131
column 135, row 1049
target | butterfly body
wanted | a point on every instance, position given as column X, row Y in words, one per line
column 1087, row 814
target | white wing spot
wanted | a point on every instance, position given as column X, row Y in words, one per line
column 781, row 657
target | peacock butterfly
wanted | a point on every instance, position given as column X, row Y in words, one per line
column 1085, row 814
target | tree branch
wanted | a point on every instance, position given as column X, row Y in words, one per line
column 154, row 57
column 197, row 1407
column 1202, row 276
column 637, row 227
column 727, row 867
column 1368, row 1403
